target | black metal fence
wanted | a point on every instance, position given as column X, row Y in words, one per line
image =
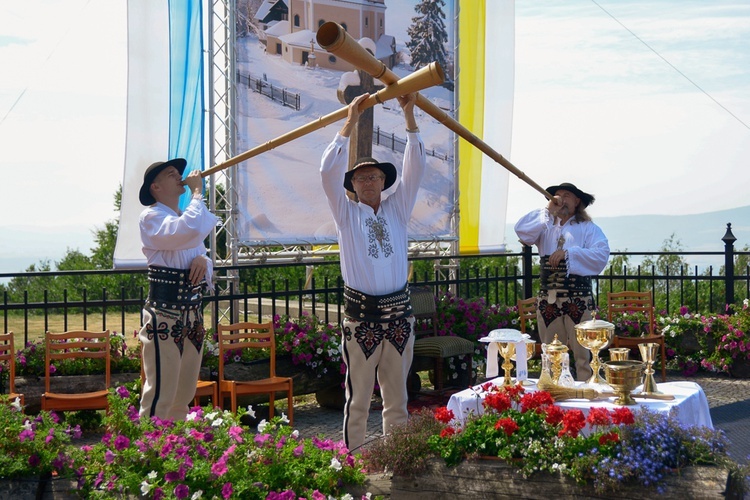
column 503, row 279
column 398, row 144
column 280, row 94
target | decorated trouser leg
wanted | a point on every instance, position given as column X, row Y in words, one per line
column 371, row 348
column 560, row 317
column 172, row 350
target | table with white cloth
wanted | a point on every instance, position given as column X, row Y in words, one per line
column 689, row 399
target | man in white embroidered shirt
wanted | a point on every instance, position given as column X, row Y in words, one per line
column 571, row 249
column 377, row 331
column 178, row 272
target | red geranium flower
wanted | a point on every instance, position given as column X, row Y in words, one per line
column 447, row 432
column 622, row 416
column 444, row 415
column 598, row 416
column 610, row 437
column 573, row 422
column 498, row 401
column 507, row 425
column 536, row 400
column 555, row 414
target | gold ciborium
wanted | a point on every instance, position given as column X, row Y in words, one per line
column 556, row 350
column 624, row 376
column 649, row 351
column 595, row 335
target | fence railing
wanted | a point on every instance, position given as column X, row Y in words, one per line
column 398, row 144
column 280, row 94
column 34, row 308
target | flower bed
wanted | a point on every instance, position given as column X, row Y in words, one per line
column 598, row 454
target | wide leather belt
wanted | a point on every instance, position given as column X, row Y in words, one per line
column 557, row 278
column 380, row 308
column 170, row 288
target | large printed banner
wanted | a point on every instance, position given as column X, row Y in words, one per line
column 285, row 80
column 164, row 106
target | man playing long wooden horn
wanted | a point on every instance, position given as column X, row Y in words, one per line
column 377, row 330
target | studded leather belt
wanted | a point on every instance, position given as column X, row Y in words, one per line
column 380, row 308
column 557, row 278
column 170, row 288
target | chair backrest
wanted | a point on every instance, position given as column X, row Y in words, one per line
column 246, row 335
column 424, row 311
column 631, row 302
column 526, row 312
column 76, row 344
column 7, row 355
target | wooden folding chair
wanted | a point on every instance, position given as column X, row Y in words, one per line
column 245, row 335
column 8, row 356
column 637, row 302
column 75, row 345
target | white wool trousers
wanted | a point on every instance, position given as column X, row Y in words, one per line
column 172, row 349
column 382, row 351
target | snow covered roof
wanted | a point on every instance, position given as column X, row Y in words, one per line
column 279, row 29
column 301, row 38
column 385, row 46
column 265, row 8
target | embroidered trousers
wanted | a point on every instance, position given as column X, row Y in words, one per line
column 560, row 315
column 375, row 350
column 171, row 357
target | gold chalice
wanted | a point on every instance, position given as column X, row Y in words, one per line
column 649, row 352
column 506, row 349
column 624, row 376
column 595, row 335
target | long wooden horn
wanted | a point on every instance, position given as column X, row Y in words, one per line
column 419, row 80
column 333, row 38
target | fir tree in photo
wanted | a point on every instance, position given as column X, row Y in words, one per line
column 427, row 34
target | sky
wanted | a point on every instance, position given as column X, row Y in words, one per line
column 646, row 104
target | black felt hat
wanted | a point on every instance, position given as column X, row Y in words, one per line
column 151, row 172
column 586, row 198
column 387, row 168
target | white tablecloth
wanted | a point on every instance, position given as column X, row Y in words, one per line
column 689, row 398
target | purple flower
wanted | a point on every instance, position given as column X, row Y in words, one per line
column 34, row 460
column 181, row 491
column 123, row 392
column 299, row 450
column 109, row 457
column 121, row 442
column 227, row 490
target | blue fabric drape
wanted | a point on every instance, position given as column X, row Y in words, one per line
column 186, row 85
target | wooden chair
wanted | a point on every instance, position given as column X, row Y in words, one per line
column 247, row 335
column 526, row 313
column 430, row 349
column 637, row 302
column 203, row 388
column 8, row 356
column 72, row 345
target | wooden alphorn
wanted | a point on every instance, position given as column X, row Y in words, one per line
column 419, row 80
column 333, row 38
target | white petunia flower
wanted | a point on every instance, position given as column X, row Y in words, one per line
column 250, row 411
column 16, row 404
column 217, row 422
column 284, row 418
column 262, row 425
column 335, row 464
column 197, row 495
column 295, row 434
column 145, row 488
column 212, row 415
column 192, row 416
column 152, row 475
